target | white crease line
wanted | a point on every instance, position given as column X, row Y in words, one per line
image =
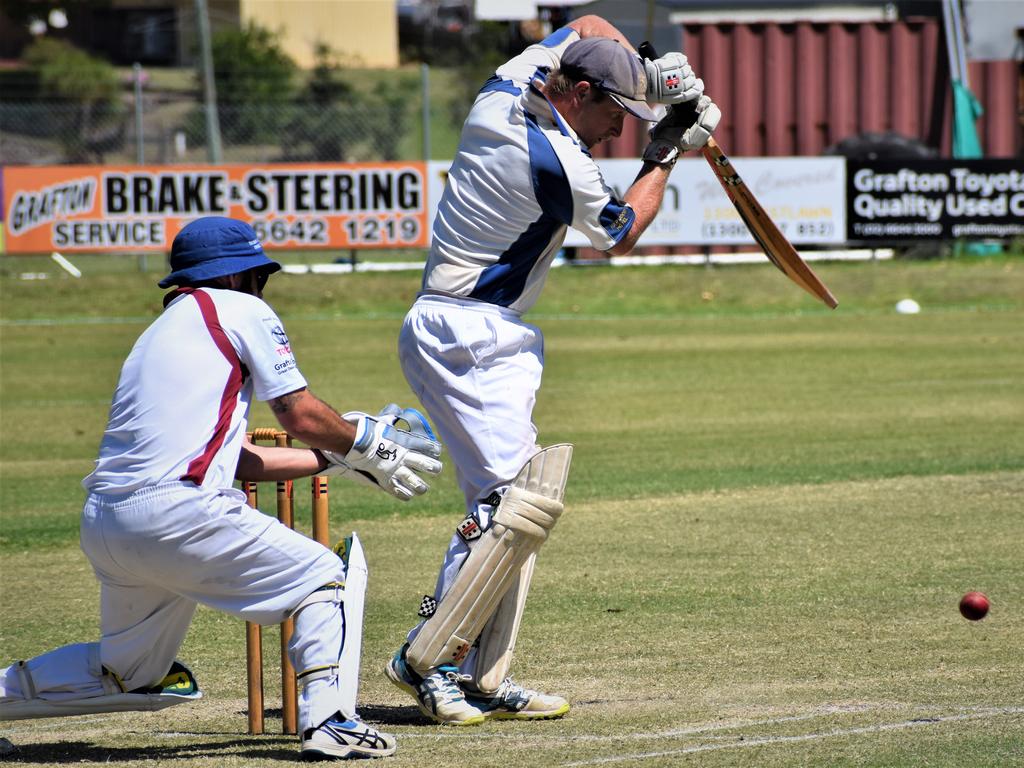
column 710, row 727
column 760, row 742
column 729, row 726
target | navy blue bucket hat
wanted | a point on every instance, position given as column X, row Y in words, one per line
column 214, row 246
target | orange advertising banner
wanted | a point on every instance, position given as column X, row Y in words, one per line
column 141, row 208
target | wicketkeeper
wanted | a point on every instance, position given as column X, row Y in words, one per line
column 523, row 173
column 164, row 529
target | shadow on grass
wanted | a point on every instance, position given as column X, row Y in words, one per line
column 374, row 714
column 256, row 748
column 391, row 716
column 251, row 748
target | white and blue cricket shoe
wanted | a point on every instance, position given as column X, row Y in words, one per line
column 338, row 739
column 513, row 701
column 438, row 694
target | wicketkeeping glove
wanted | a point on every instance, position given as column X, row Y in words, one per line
column 670, row 80
column 386, row 456
column 684, row 128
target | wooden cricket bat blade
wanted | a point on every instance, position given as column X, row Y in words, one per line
column 774, row 244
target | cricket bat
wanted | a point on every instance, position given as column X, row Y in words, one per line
column 776, row 247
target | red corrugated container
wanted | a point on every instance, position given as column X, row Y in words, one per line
column 798, row 88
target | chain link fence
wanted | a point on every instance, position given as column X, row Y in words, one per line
column 172, row 129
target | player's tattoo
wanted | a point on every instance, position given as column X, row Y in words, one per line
column 285, row 403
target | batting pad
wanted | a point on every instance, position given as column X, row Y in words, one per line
column 528, row 511
column 177, row 687
column 498, row 638
column 349, row 598
column 117, row 702
column 355, row 594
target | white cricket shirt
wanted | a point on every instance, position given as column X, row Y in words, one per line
column 181, row 404
column 520, row 177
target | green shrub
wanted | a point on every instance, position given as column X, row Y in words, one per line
column 332, row 121
column 254, row 79
column 90, row 118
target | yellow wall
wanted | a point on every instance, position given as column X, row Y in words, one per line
column 360, row 32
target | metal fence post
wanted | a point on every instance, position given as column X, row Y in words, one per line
column 209, row 87
column 140, row 139
column 425, row 86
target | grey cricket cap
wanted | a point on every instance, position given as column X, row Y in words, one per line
column 612, row 68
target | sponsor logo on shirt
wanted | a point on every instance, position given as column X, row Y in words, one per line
column 279, row 336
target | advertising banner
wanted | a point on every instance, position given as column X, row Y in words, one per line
column 803, row 195
column 935, row 199
column 142, row 208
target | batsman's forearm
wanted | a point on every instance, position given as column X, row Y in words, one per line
column 595, row 26
column 644, row 197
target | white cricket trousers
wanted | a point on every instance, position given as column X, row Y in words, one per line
column 476, row 368
column 160, row 551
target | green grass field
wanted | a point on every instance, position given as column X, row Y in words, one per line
column 773, row 511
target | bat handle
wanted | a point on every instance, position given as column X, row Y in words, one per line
column 686, row 113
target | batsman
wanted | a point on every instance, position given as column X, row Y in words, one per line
column 523, row 174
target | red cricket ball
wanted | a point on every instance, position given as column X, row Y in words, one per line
column 974, row 606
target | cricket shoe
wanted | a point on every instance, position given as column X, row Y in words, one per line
column 514, row 702
column 438, row 694
column 344, row 739
column 178, row 681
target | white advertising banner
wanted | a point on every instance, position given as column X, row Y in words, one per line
column 505, row 10
column 516, row 10
column 805, row 196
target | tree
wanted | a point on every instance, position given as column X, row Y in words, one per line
column 332, row 121
column 87, row 89
column 254, row 79
column 317, row 117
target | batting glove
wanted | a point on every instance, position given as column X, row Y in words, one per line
column 670, row 80
column 697, row 133
column 681, row 130
column 387, row 457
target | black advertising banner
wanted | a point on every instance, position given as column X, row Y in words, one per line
column 934, row 199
